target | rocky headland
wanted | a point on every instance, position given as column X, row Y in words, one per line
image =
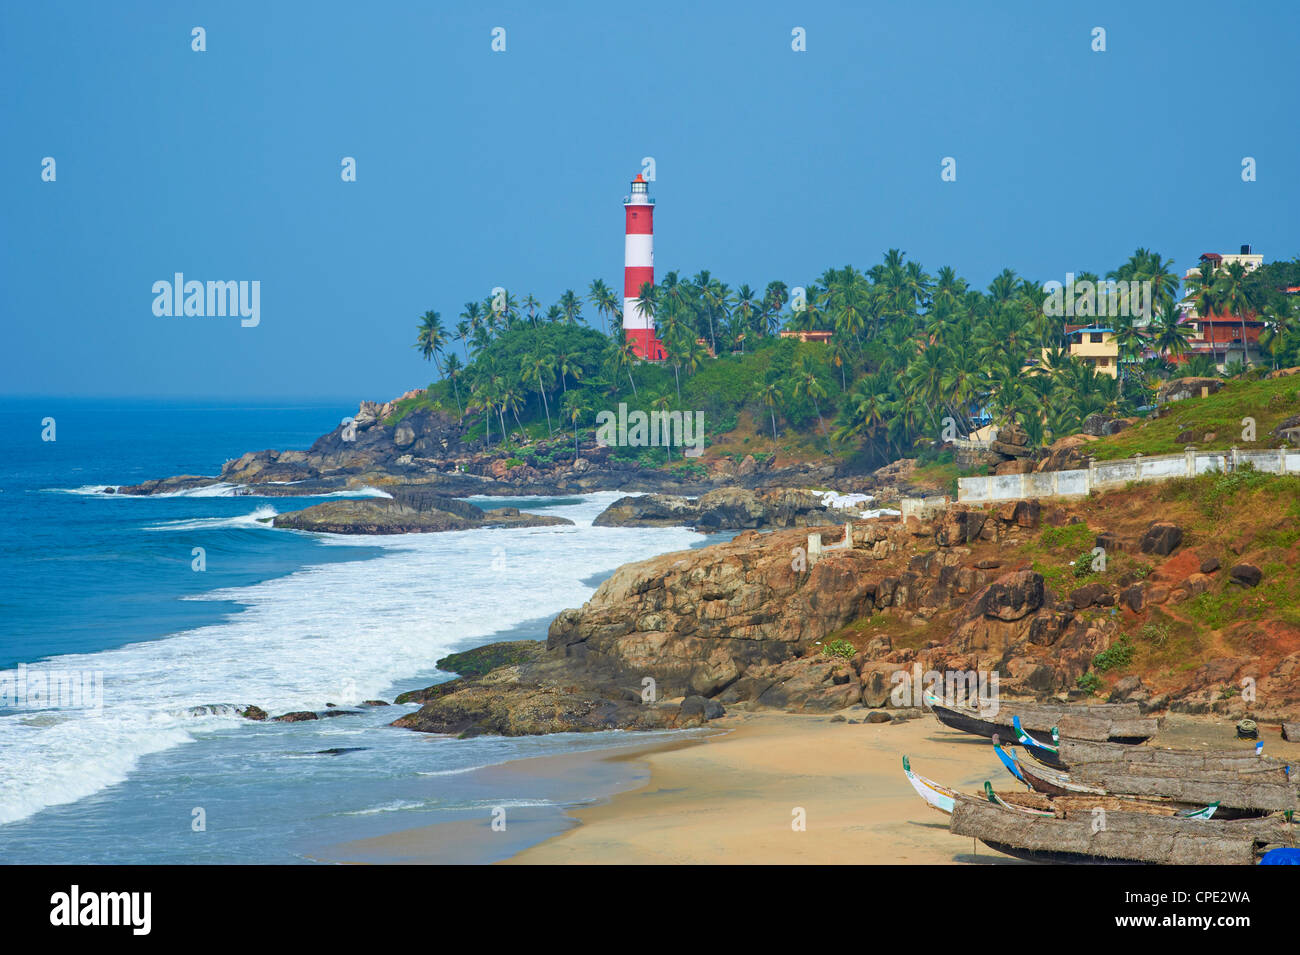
column 383, row 446
column 755, row 622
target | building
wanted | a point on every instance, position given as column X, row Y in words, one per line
column 1097, row 346
column 1221, row 260
column 808, row 335
column 1218, row 335
column 639, row 270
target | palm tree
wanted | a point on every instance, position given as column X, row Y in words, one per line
column 771, row 394
column 807, row 383
column 1129, row 341
column 571, row 307
column 1171, row 333
column 538, row 364
column 566, row 365
column 431, row 339
column 452, row 371
column 575, row 406
column 603, row 298
column 532, row 305
column 622, row 357
column 1236, row 299
column 1203, row 293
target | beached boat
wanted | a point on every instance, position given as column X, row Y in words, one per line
column 1114, row 722
column 1008, row 760
column 1046, row 753
column 1037, row 804
column 1122, row 837
column 1042, row 779
column 936, row 796
column 967, row 719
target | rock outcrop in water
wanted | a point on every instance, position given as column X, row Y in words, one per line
column 729, row 508
column 385, row 516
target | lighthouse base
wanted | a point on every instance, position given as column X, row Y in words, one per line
column 644, row 343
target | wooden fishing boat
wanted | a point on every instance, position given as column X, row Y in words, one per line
column 1065, row 807
column 1041, row 779
column 998, row 800
column 968, row 719
column 936, row 796
column 1114, row 722
column 1008, row 760
column 1123, row 836
column 1046, row 753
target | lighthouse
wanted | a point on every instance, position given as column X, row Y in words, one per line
column 639, row 269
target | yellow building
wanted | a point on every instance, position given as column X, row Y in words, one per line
column 1096, row 346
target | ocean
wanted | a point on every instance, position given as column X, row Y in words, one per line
column 104, row 589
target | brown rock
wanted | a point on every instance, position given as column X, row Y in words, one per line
column 1161, row 538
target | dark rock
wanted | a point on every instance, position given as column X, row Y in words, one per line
column 1014, row 595
column 484, row 659
column 1129, row 689
column 384, row 516
column 374, row 703
column 1087, row 595
column 253, row 713
column 1246, row 575
column 879, row 716
column 1210, row 565
column 298, row 716
column 699, row 706
column 1161, row 538
column 1133, row 597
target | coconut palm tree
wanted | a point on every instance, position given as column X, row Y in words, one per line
column 571, row 307
column 1171, row 334
column 575, row 406
column 606, row 303
column 1203, row 293
column 771, row 395
column 1236, row 299
column 622, row 357
column 540, row 365
column 452, row 370
column 807, row 383
column 431, row 338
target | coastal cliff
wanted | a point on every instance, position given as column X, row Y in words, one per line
column 756, row 622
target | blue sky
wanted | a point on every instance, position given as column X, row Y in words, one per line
column 477, row 169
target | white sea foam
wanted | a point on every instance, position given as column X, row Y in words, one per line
column 211, row 490
column 341, row 632
column 255, row 518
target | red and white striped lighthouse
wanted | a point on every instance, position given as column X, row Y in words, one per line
column 639, row 269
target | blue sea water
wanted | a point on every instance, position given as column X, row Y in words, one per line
column 103, row 589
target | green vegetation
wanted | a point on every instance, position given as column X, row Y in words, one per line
column 1268, row 402
column 1119, row 654
column 839, row 648
column 1089, row 682
column 915, row 359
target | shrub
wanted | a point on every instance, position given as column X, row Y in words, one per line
column 839, row 648
column 1118, row 654
column 1089, row 682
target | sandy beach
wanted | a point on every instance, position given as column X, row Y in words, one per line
column 732, row 796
